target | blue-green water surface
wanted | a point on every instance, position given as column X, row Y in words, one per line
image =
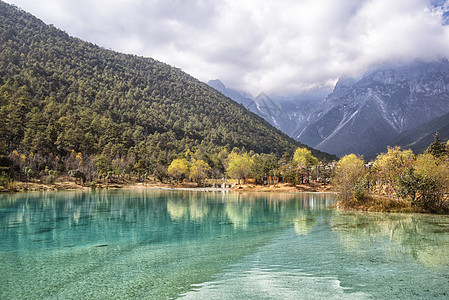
column 152, row 244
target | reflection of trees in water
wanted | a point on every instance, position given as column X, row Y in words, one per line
column 177, row 209
column 299, row 210
column 239, row 213
column 193, row 206
column 424, row 237
column 47, row 216
column 304, row 223
column 149, row 215
column 248, row 208
column 199, row 207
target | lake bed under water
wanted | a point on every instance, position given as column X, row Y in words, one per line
column 152, row 244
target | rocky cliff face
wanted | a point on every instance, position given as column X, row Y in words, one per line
column 420, row 137
column 361, row 115
column 370, row 112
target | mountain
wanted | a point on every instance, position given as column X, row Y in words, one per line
column 366, row 114
column 420, row 137
column 290, row 114
column 239, row 97
column 60, row 94
column 389, row 105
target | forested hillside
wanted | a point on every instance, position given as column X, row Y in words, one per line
column 60, row 95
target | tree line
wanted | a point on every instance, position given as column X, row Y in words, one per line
column 420, row 181
column 298, row 167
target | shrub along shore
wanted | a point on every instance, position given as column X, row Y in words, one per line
column 396, row 181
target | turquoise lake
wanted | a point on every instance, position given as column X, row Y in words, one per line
column 155, row 244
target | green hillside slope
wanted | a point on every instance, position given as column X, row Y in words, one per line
column 60, row 94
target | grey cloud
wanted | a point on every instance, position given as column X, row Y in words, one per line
column 273, row 46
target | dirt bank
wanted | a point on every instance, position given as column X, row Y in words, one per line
column 62, row 185
column 284, row 187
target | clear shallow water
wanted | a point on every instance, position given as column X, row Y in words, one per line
column 147, row 244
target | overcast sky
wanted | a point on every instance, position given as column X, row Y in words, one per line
column 276, row 46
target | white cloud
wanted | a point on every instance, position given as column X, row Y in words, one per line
column 280, row 46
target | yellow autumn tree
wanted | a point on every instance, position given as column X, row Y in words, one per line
column 239, row 165
column 349, row 174
column 389, row 167
column 433, row 173
column 304, row 161
column 199, row 170
column 178, row 169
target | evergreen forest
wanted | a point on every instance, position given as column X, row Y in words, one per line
column 66, row 104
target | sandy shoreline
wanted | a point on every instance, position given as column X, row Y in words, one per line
column 70, row 186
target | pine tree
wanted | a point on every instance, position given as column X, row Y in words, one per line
column 437, row 149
